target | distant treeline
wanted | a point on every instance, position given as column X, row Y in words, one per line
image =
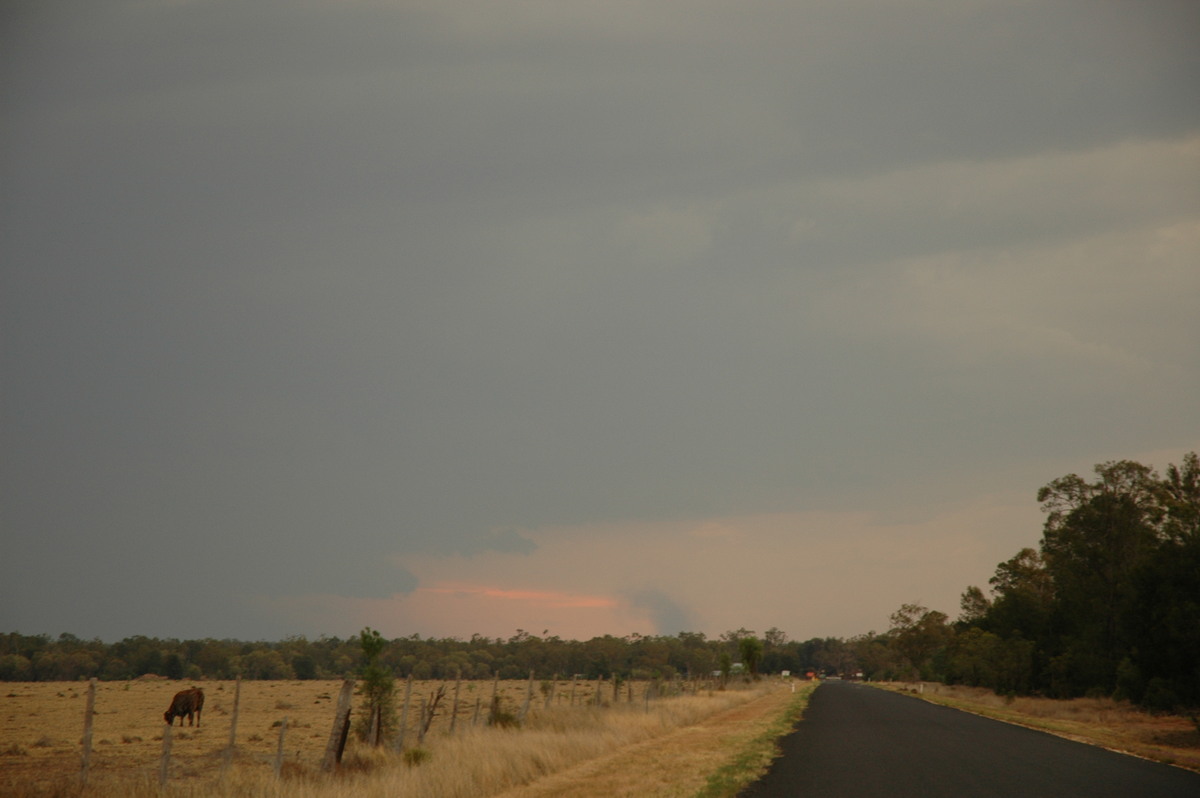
column 1107, row 605
column 43, row 658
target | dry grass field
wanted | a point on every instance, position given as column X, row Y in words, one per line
column 1099, row 721
column 628, row 746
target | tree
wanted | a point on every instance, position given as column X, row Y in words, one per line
column 378, row 688
column 974, row 606
column 774, row 638
column 751, row 649
column 1180, row 491
column 920, row 634
column 1023, row 593
column 1097, row 535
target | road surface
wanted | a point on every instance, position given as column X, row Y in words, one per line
column 862, row 742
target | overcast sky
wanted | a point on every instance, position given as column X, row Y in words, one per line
column 452, row 317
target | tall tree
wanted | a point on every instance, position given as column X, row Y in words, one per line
column 1097, row 535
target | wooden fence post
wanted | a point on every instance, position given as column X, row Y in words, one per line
column 528, row 697
column 399, row 745
column 164, row 765
column 341, row 724
column 279, row 750
column 237, row 702
column 87, row 732
column 454, row 713
column 376, row 723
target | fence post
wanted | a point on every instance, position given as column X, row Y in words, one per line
column 373, row 731
column 398, row 746
column 421, row 724
column 279, row 750
column 237, row 702
column 454, row 714
column 337, row 735
column 528, row 697
column 164, row 765
column 87, row 731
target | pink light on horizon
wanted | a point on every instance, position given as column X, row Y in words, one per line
column 549, row 598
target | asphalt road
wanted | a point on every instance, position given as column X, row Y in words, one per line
column 861, row 742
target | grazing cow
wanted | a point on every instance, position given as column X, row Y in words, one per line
column 185, row 702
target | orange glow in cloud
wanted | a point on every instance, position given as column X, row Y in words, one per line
column 548, row 598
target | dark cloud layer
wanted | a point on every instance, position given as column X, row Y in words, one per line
column 294, row 289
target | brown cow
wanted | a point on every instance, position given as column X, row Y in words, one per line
column 185, row 702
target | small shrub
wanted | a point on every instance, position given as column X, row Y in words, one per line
column 415, row 756
column 14, row 749
column 1159, row 697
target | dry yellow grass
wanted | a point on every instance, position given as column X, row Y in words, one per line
column 676, row 763
column 1117, row 725
column 41, row 725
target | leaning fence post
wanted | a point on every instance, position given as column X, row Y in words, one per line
column 337, row 735
column 87, row 731
column 164, row 765
column 237, row 702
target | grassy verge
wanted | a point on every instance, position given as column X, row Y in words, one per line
column 756, row 753
column 1110, row 724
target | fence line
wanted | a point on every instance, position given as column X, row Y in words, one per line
column 424, row 718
